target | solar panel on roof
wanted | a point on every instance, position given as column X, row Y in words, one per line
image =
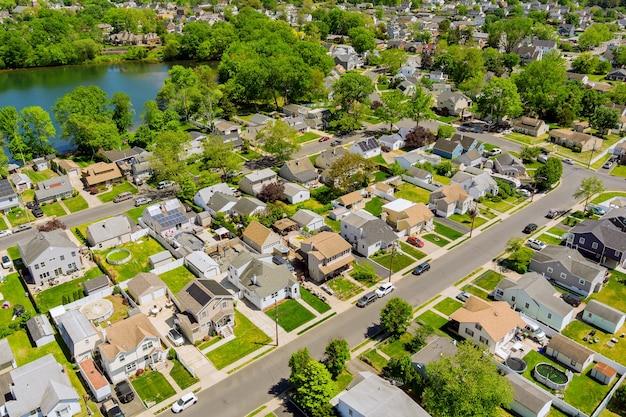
column 214, row 287
column 197, row 294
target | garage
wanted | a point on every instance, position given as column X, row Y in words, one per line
column 146, row 287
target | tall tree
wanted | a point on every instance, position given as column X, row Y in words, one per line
column 298, row 361
column 36, row 128
column 349, row 173
column 336, row 354
column 420, row 106
column 11, row 137
column 350, row 93
column 314, row 388
column 603, row 119
column 396, row 316
column 122, row 111
column 498, row 99
column 167, row 155
column 549, row 173
column 89, row 101
column 392, row 59
column 540, row 84
column 221, row 156
column 589, row 187
column 393, row 107
column 279, row 139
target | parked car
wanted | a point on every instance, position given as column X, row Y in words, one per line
column 6, row 262
column 110, row 408
column 421, row 268
column 31, row 204
column 4, row 233
column 164, row 184
column 536, row 244
column 123, row 197
column 530, row 227
column 568, row 161
column 553, row 213
column 571, row 299
column 463, row 296
column 608, row 164
column 367, row 299
column 22, row 228
column 494, row 152
column 335, row 143
column 543, row 158
column 524, row 192
column 415, row 241
column 600, row 211
column 175, row 337
column 140, row 201
column 124, row 392
column 324, row 138
column 384, row 289
column 327, row 289
column 37, row 211
column 184, row 402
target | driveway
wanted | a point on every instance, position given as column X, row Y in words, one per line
column 92, row 200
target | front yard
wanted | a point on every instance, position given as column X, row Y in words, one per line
column 448, row 306
column 526, row 139
column 307, row 137
column 466, row 220
column 319, row 305
column 176, row 279
column 64, row 293
column 446, row 231
column 488, row 280
column 432, row 319
column 14, row 293
column 607, row 196
column 343, row 288
column 53, row 209
column 619, row 171
column 140, row 251
column 181, row 375
column 117, row 190
column 577, row 330
column 412, row 251
column 18, row 215
column 398, row 263
column 412, row 193
column 289, row 314
column 152, row 387
column 76, row 203
column 436, row 239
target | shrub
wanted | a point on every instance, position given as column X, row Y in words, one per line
column 171, row 354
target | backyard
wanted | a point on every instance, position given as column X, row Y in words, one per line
column 38, row 176
column 577, row 330
column 14, row 293
column 17, row 216
column 177, row 278
column 412, row 193
column 398, row 263
column 344, row 289
column 289, row 314
column 76, row 203
column 117, row 190
column 64, row 293
column 152, row 387
column 375, row 206
column 140, row 251
column 181, row 375
column 614, row 292
column 317, row 304
column 585, row 393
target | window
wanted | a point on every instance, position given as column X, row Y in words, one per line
column 469, row 332
column 122, row 358
column 36, row 266
column 513, row 298
column 618, row 254
column 581, row 240
column 594, row 245
column 550, row 269
column 527, row 305
column 484, row 340
column 62, row 257
column 74, row 254
column 573, row 362
column 131, row 367
column 478, row 326
column 581, row 281
column 563, row 275
column 147, row 346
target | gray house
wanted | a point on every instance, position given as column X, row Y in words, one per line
column 7, row 360
column 49, row 255
column 476, row 183
column 299, row 170
column 569, row 353
column 109, row 232
column 602, row 316
column 8, row 196
column 567, row 268
column 78, row 334
column 40, row 330
column 53, row 189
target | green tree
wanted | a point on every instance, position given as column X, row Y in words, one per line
column 349, row 173
column 529, row 153
column 467, row 384
column 403, row 371
column 336, row 354
column 396, row 316
column 498, row 99
column 618, row 94
column 36, row 128
column 11, row 137
column 594, row 35
column 393, row 107
column 362, row 39
column 167, row 155
column 589, row 187
column 278, row 139
column 420, row 106
column 445, row 131
column 603, row 119
column 514, row 244
column 298, row 361
column 549, row 173
column 350, row 93
column 509, row 32
column 314, row 388
column 220, row 155
column 92, row 135
column 541, row 83
column 88, row 101
column 122, row 111
column 392, row 59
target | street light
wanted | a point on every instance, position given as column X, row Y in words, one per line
column 393, row 253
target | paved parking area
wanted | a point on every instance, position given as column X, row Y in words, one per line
column 132, row 408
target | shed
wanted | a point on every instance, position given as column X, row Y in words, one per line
column 160, row 259
column 98, row 385
column 603, row 373
column 528, row 400
column 603, row 316
column 96, row 284
column 40, row 330
column 146, row 287
column 202, row 265
column 569, row 353
column 7, row 360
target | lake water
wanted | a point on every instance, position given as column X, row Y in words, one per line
column 43, row 86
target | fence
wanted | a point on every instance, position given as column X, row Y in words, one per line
column 420, row 183
column 168, row 267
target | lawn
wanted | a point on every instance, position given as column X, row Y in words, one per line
column 135, row 213
column 466, row 220
column 54, row 296
column 380, row 176
column 181, row 375
column 448, row 306
column 365, row 274
column 607, row 196
column 378, row 159
column 38, row 176
column 556, row 231
column 488, row 280
column 476, row 291
column 18, row 215
column 53, row 209
column 614, row 292
column 120, row 309
column 375, row 206
column 76, row 203
column 3, row 224
column 335, row 225
column 432, row 319
column 290, row 314
column 117, row 190
column 441, row 179
column 412, row 193
column 399, row 262
column 341, row 383
column 248, row 338
column 526, row 139
column 14, row 292
column 317, row 304
column 250, row 154
column 343, row 288
column 374, row 359
column 177, row 278
column 140, row 251
column 14, row 253
column 619, row 171
column 585, row 393
column 532, row 358
column 412, row 251
column 446, row 231
column 314, row 206
column 583, row 157
column 152, row 387
column 549, row 239
column 577, row 330
column 436, row 239
column 394, row 348
column 28, row 195
column 307, row 137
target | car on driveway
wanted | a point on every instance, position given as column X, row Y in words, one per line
column 608, row 164
column 175, row 337
column 324, row 138
column 367, row 299
column 553, row 214
column 124, row 392
column 571, row 299
column 37, row 211
column 384, row 289
column 6, row 262
column 536, row 244
column 110, row 408
column 530, row 227
column 123, row 197
column 421, row 268
column 600, row 211
column 4, row 233
column 164, row 184
column 415, row 241
column 524, row 192
column 184, row 402
column 463, row 296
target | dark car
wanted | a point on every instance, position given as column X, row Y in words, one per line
column 421, row 268
column 124, row 392
column 367, row 299
column 571, row 299
column 530, row 227
column 37, row 212
column 111, row 409
column 335, row 143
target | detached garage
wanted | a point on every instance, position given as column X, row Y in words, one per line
column 146, row 287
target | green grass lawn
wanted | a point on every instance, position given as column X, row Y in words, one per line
column 53, row 297
column 583, row 157
column 38, row 176
column 436, row 239
column 365, row 274
column 412, row 251
column 14, row 253
column 343, row 288
column 13, row 291
column 117, row 190
column 441, row 179
column 28, row 195
column 307, row 137
column 412, row 193
column 488, row 280
column 526, row 139
column 343, row 380
column 319, row 305
column 135, row 213
column 607, row 196
column 290, row 314
column 394, row 348
column 314, row 206
column 378, row 159
column 177, row 278
column 248, row 338
column 250, row 154
column 205, row 344
column 466, row 220
column 577, row 330
column 375, row 206
column 447, row 232
column 448, row 306
column 556, row 231
column 399, row 262
column 140, row 251
column 374, row 359
column 619, row 171
column 53, row 209
column 18, row 215
column 152, row 387
column 76, row 203
column 585, row 393
column 476, row 291
column 614, row 292
column 335, row 225
column 432, row 319
column 181, row 375
column 380, row 176
column 3, row 224
column 549, row 239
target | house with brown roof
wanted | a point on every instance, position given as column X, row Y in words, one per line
column 407, row 218
column 130, row 345
column 576, row 141
column 530, row 126
column 352, row 201
column 101, row 173
column 260, row 238
column 327, row 255
column 449, row 199
column 492, row 324
column 569, row 353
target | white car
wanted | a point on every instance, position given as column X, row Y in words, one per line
column 4, row 233
column 495, row 151
column 524, row 192
column 175, row 337
column 6, row 262
column 568, row 161
column 536, row 244
column 140, row 201
column 184, row 402
column 385, row 289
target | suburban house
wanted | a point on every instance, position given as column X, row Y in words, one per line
column 221, row 203
column 406, row 217
column 202, row 265
column 447, row 148
column 535, row 297
column 492, row 324
column 49, row 255
column 352, row 201
column 437, row 347
column 576, row 141
column 39, row 388
column 602, row 240
column 367, row 234
column 229, row 132
column 530, row 126
column 477, row 183
column 528, row 400
column 618, row 74
column 308, row 219
column 21, row 182
column 146, row 287
column 260, row 281
column 130, row 344
column 95, row 285
column 78, row 334
column 326, row 158
column 391, row 142
column 374, row 396
column 260, row 238
column 206, row 308
column 248, row 206
column 8, row 196
column 569, row 353
column 367, row 148
column 295, row 193
column 121, row 156
column 417, row 156
column 40, row 164
column 141, row 167
column 453, row 103
column 603, row 316
column 254, row 182
column 300, row 171
column 568, row 268
column 468, row 142
column 166, row 218
column 109, row 232
column 419, row 174
column 54, row 188
column 97, row 383
column 327, row 255
column 40, row 330
column 471, row 158
column 449, row 199
column 508, row 165
column 204, row 195
column 101, row 174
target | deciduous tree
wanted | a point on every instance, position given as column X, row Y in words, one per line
column 589, row 187
column 498, row 99
column 549, row 173
column 314, row 388
column 279, row 139
column 393, row 107
column 272, row 192
column 603, row 119
column 336, row 355
column 420, row 106
column 122, row 111
column 396, row 316
column 350, row 172
column 221, row 156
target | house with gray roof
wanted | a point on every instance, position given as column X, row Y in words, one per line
column 602, row 240
column 53, row 189
column 568, row 268
column 309, row 219
column 109, row 232
column 8, row 196
column 533, row 295
column 528, row 400
column 508, row 165
column 248, row 206
column 167, row 217
column 416, row 156
column 603, row 316
column 21, row 182
column 569, row 353
column 78, row 334
column 221, row 203
column 254, row 182
column 39, row 388
column 453, row 103
column 301, row 171
column 367, row 234
column 295, row 193
column 96, row 284
column 471, row 158
column 260, row 281
column 146, row 287
column 49, row 255
column 204, row 195
column 40, row 330
column 326, row 158
column 476, row 183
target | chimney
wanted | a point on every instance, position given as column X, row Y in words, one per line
column 253, row 280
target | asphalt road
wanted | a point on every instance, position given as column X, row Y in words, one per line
column 260, row 381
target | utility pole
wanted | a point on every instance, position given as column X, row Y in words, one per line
column 276, row 319
column 393, row 253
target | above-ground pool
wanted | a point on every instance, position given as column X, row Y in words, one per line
column 551, row 377
column 517, row 365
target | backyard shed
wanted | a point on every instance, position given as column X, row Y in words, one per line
column 40, row 330
column 603, row 373
column 146, row 287
column 603, row 316
column 569, row 353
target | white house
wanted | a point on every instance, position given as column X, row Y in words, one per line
column 78, row 334
column 306, row 218
column 391, row 142
column 295, row 193
column 204, row 195
column 146, row 287
column 109, row 232
column 167, row 217
column 367, row 148
column 603, row 316
column 49, row 255
column 367, row 234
